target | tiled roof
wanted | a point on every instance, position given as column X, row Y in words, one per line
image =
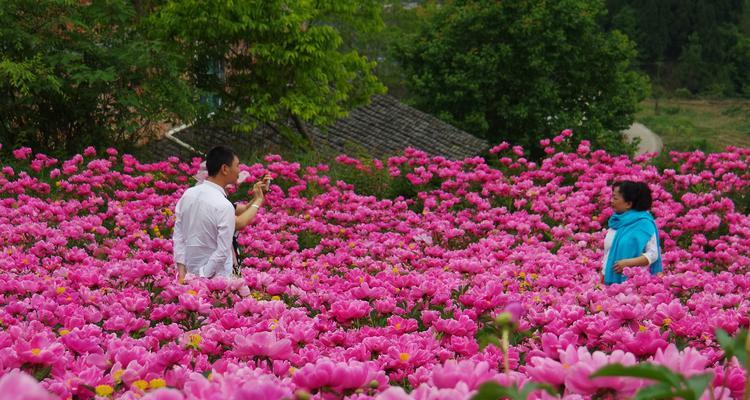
column 382, row 128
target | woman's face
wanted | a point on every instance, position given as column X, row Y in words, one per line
column 618, row 203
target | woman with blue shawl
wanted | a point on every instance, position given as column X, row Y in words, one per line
column 632, row 239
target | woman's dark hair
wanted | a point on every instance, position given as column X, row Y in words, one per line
column 636, row 193
column 218, row 156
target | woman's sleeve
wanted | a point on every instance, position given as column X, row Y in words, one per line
column 652, row 250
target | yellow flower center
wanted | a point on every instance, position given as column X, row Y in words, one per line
column 192, row 292
column 398, row 325
column 195, row 340
column 35, row 351
column 666, row 322
column 104, row 390
column 118, row 375
column 140, row 384
column 157, row 383
column 277, row 298
column 60, row 290
column 642, row 328
column 404, row 357
column 63, row 332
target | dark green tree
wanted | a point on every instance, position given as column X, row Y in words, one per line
column 75, row 73
column 274, row 61
column 690, row 44
column 521, row 70
column 400, row 18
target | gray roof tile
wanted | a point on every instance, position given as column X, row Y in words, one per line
column 384, row 127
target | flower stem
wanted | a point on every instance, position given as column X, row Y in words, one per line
column 505, row 344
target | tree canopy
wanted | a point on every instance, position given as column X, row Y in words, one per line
column 73, row 74
column 521, row 69
column 698, row 45
column 281, row 60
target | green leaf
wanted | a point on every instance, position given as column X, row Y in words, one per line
column 494, row 391
column 656, row 391
column 485, row 336
column 698, row 383
column 726, row 342
column 733, row 347
column 42, row 372
column 648, row 371
column 533, row 386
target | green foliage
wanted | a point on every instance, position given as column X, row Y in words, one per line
column 272, row 60
column 74, row 74
column 378, row 45
column 739, row 346
column 696, row 44
column 494, row 391
column 686, row 125
column 669, row 384
column 521, row 70
column 308, row 240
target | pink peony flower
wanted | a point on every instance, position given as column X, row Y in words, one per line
column 16, row 385
column 264, row 344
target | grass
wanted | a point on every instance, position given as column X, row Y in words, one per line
column 688, row 124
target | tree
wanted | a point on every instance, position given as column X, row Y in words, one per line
column 520, row 70
column 400, row 18
column 688, row 44
column 75, row 73
column 277, row 61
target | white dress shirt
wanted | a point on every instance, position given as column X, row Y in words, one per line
column 651, row 252
column 203, row 231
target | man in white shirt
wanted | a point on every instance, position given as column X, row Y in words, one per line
column 205, row 220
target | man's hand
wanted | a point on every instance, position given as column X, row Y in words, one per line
column 258, row 191
column 181, row 272
column 267, row 181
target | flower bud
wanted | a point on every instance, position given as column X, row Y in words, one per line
column 504, row 319
column 302, row 395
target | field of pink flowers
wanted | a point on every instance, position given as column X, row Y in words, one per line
column 348, row 294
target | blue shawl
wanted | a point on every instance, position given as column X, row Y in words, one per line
column 634, row 230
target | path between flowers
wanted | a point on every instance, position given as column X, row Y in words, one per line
column 650, row 142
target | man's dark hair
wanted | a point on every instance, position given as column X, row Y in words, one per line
column 636, row 193
column 218, row 156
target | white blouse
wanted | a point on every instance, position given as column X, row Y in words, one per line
column 651, row 252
